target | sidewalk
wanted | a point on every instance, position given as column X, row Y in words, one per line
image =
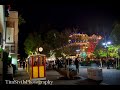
column 21, row 74
column 53, row 75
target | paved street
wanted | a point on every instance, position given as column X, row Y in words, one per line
column 54, row 76
column 110, row 77
column 21, row 74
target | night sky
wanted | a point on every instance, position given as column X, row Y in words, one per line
column 91, row 18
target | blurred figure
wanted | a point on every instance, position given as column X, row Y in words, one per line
column 58, row 63
column 23, row 64
column 14, row 69
column 20, row 63
column 9, row 72
column 77, row 64
column 114, row 63
column 108, row 64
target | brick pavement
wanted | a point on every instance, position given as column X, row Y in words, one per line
column 53, row 75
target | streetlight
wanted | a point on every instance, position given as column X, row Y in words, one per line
column 106, row 46
column 40, row 49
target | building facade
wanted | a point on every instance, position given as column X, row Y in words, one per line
column 85, row 43
column 2, row 28
column 8, row 34
column 11, row 35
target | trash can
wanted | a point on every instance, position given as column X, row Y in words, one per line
column 95, row 73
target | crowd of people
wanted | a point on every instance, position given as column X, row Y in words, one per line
column 103, row 62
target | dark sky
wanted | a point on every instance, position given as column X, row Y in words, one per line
column 87, row 16
column 91, row 18
column 65, row 15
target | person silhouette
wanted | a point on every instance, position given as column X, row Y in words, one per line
column 77, row 64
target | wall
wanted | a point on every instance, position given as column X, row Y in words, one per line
column 12, row 21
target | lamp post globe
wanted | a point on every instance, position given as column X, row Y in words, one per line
column 40, row 49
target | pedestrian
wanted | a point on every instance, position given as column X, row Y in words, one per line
column 108, row 64
column 9, row 72
column 53, row 65
column 14, row 69
column 77, row 64
column 114, row 63
column 20, row 63
column 23, row 64
column 58, row 63
column 26, row 65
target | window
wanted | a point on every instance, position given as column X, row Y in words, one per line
column 13, row 49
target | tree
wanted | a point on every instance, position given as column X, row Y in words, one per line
column 100, row 50
column 32, row 42
column 115, row 34
column 58, row 53
column 64, row 37
column 113, row 50
column 21, row 20
column 55, row 41
column 29, row 44
column 115, row 37
column 37, row 40
column 52, row 39
column 46, row 49
column 64, row 41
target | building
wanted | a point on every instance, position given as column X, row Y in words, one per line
column 85, row 44
column 2, row 28
column 9, row 33
column 11, row 37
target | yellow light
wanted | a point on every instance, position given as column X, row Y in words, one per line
column 41, row 71
column 35, row 71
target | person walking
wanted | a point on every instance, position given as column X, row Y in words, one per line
column 20, row 63
column 58, row 63
column 77, row 64
column 9, row 72
column 23, row 64
column 108, row 64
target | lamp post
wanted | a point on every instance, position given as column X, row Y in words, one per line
column 40, row 49
column 106, row 46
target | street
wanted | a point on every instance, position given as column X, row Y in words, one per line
column 110, row 77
